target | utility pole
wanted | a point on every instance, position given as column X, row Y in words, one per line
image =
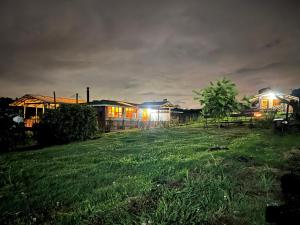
column 54, row 96
column 87, row 95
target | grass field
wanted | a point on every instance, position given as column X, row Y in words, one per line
column 158, row 176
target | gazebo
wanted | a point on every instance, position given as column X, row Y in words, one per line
column 39, row 103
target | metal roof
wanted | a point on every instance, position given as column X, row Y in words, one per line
column 34, row 100
column 162, row 104
column 105, row 102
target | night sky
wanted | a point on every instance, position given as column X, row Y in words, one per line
column 147, row 50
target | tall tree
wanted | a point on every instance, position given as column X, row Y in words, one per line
column 219, row 99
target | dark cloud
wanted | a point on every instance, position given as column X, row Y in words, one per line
column 272, row 44
column 142, row 50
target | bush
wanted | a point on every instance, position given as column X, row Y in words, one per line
column 66, row 124
column 266, row 121
column 11, row 133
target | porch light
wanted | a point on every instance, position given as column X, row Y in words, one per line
column 272, row 95
column 257, row 114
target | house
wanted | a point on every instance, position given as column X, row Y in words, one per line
column 34, row 106
column 114, row 115
column 269, row 100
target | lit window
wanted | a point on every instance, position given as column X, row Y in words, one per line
column 264, row 103
column 131, row 113
column 145, row 115
column 276, row 102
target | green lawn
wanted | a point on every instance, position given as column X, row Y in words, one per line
column 158, row 176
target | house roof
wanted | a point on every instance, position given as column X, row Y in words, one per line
column 180, row 110
column 283, row 96
column 162, row 104
column 36, row 100
column 105, row 102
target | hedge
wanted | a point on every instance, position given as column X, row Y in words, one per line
column 66, row 124
column 12, row 134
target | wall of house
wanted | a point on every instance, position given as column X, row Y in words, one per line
column 116, row 117
column 152, row 115
column 266, row 102
column 122, row 117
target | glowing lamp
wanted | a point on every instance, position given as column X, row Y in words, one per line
column 257, row 114
column 272, row 95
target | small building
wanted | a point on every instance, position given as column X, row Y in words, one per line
column 269, row 100
column 115, row 115
column 181, row 116
column 34, row 106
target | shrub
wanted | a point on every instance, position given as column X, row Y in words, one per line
column 66, row 124
column 266, row 121
column 11, row 133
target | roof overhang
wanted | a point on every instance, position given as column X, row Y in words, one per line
column 38, row 101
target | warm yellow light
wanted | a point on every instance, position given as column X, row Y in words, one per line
column 258, row 114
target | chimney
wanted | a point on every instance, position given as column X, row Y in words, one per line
column 87, row 95
column 165, row 100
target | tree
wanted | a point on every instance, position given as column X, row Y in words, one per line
column 218, row 99
column 4, row 103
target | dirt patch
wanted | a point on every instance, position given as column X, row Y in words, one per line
column 293, row 158
column 218, row 148
column 245, row 159
column 229, row 221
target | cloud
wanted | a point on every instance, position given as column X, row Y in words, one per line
column 145, row 50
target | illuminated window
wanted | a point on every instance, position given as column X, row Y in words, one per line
column 276, row 102
column 145, row 115
column 265, row 103
column 130, row 113
column 114, row 111
column 110, row 111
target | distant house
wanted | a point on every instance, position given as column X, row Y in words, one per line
column 113, row 115
column 34, row 106
column 267, row 100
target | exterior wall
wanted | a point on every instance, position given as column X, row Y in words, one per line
column 108, row 122
column 141, row 118
column 154, row 115
column 267, row 103
column 184, row 116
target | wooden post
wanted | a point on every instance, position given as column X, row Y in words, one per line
column 76, row 98
column 169, row 116
column 24, row 115
column 43, row 108
column 287, row 112
column 123, row 117
column 36, row 112
column 54, row 96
